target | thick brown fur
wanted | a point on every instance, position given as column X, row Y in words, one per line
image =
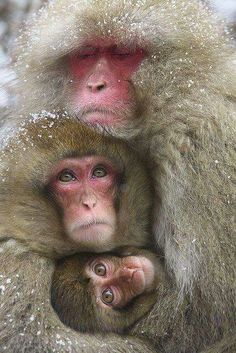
column 186, row 127
column 31, row 233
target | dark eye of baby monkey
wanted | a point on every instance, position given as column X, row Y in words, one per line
column 107, row 296
column 100, row 269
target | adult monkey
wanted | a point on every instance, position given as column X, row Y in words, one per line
column 34, row 201
column 180, row 111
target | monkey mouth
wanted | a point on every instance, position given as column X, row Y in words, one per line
column 92, row 223
column 93, row 234
column 100, row 115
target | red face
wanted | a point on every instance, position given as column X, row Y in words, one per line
column 85, row 189
column 117, row 281
column 102, row 73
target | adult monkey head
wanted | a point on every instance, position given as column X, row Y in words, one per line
column 87, row 67
column 117, row 63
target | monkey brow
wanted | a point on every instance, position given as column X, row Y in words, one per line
column 78, row 154
column 87, row 50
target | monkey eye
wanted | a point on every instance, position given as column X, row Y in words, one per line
column 107, row 296
column 87, row 52
column 121, row 52
column 66, row 176
column 99, row 172
column 100, row 269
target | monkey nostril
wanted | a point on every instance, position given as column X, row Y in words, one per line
column 127, row 274
column 95, row 87
column 101, row 87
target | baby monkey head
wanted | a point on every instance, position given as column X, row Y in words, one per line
column 103, row 292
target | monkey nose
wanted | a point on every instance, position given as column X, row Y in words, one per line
column 96, row 86
column 89, row 201
column 127, row 273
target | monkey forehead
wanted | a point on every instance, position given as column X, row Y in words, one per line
column 98, row 43
column 131, row 23
column 81, row 26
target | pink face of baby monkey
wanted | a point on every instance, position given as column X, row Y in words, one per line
column 116, row 281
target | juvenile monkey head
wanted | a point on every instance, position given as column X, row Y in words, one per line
column 117, row 280
column 104, row 293
column 66, row 187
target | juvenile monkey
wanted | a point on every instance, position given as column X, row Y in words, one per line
column 105, row 293
column 60, row 195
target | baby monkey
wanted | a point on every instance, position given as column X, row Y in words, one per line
column 106, row 292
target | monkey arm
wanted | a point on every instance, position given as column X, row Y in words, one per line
column 170, row 323
column 27, row 320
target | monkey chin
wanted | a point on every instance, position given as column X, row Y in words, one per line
column 104, row 115
column 94, row 237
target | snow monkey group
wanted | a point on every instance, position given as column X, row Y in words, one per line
column 117, row 217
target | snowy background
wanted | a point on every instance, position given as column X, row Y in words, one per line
column 227, row 8
column 14, row 12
